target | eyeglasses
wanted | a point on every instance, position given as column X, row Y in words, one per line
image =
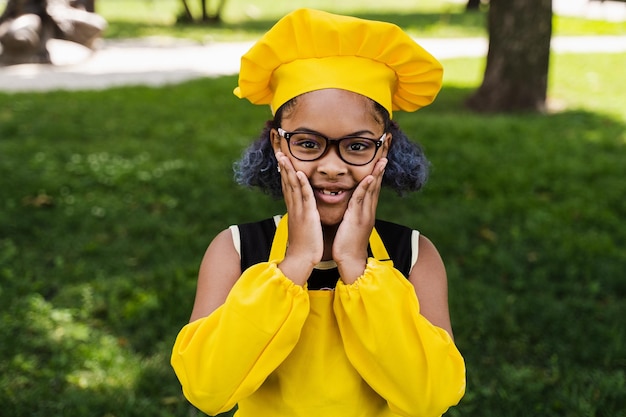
column 353, row 150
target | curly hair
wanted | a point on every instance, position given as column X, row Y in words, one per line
column 406, row 171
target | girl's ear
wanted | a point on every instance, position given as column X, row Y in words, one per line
column 275, row 140
column 387, row 144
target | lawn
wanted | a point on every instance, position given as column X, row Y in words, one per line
column 109, row 199
column 246, row 20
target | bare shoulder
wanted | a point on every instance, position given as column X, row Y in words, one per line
column 219, row 270
column 428, row 276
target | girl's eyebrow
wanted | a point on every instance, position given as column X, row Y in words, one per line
column 353, row 134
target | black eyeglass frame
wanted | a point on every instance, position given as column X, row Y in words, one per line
column 287, row 135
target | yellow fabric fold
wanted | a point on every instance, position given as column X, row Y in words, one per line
column 279, row 243
column 316, row 379
column 309, row 50
column 411, row 363
column 278, row 350
column 226, row 356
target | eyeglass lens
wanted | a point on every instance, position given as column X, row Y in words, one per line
column 353, row 150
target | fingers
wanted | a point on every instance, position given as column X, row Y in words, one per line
column 306, row 244
column 379, row 172
column 297, row 191
column 367, row 192
column 295, row 185
column 350, row 245
column 289, row 180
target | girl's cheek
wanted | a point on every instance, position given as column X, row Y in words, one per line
column 299, row 166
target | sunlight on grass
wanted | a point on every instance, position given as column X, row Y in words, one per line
column 246, row 20
column 565, row 26
column 595, row 82
column 165, row 11
column 152, row 11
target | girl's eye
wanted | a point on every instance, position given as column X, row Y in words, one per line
column 307, row 144
column 357, row 145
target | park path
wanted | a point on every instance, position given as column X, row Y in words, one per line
column 160, row 61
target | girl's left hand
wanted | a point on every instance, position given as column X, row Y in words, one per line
column 306, row 241
column 352, row 238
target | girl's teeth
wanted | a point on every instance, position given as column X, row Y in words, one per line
column 331, row 192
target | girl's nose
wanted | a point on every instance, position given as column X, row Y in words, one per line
column 331, row 164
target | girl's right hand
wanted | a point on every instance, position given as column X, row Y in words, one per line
column 306, row 241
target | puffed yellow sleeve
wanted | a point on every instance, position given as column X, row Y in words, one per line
column 226, row 356
column 408, row 361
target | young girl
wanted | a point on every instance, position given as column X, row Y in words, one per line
column 326, row 311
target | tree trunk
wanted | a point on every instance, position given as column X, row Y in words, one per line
column 26, row 26
column 205, row 15
column 516, row 74
column 472, row 5
column 220, row 8
column 188, row 17
column 217, row 16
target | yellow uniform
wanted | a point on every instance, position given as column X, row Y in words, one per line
column 277, row 349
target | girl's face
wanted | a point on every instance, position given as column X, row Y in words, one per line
column 334, row 114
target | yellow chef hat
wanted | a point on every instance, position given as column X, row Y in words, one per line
column 310, row 50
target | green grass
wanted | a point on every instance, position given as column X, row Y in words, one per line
column 109, row 199
column 245, row 20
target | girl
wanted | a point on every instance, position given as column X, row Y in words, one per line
column 326, row 311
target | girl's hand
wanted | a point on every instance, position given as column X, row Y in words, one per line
column 306, row 242
column 352, row 239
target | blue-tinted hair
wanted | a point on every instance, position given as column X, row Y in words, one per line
column 406, row 171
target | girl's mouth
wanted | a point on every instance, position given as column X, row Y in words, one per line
column 329, row 192
column 327, row 196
